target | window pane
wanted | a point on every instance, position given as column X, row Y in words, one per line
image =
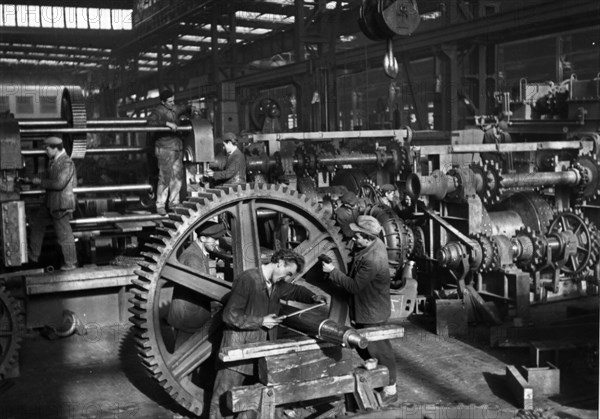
column 24, row 104
column 82, row 19
column 10, row 14
column 21, row 15
column 48, row 104
column 70, row 17
column 33, row 16
column 46, row 17
column 94, row 18
column 104, row 18
column 58, row 14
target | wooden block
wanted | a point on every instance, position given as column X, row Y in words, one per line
column 544, row 380
column 302, row 366
column 249, row 397
column 519, row 387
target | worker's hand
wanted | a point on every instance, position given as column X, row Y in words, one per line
column 22, row 180
column 328, row 267
column 36, row 181
column 270, row 321
column 172, row 125
column 209, row 173
column 319, row 298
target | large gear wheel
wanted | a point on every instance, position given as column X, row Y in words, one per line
column 250, row 211
column 584, row 231
column 11, row 328
column 72, row 109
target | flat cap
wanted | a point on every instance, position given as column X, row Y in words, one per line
column 367, row 225
column 230, row 136
column 388, row 188
column 165, row 94
column 211, row 229
column 53, row 141
column 349, row 198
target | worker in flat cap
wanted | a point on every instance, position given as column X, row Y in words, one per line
column 189, row 310
column 388, row 196
column 58, row 182
column 347, row 213
column 234, row 169
column 368, row 282
column 168, row 149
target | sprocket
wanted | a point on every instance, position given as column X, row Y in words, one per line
column 242, row 207
column 537, row 252
column 489, row 252
column 583, row 229
column 11, row 329
column 589, row 168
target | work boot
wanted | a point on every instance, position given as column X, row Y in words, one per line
column 161, row 211
column 389, row 395
column 66, row 267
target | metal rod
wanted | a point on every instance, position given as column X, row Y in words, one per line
column 97, row 189
column 28, row 131
column 37, row 123
column 568, row 177
column 109, row 150
column 117, row 219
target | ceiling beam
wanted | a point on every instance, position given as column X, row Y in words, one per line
column 91, row 38
column 42, row 49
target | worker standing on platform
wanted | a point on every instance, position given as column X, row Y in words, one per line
column 234, row 171
column 369, row 284
column 189, row 310
column 251, row 314
column 168, row 150
column 58, row 181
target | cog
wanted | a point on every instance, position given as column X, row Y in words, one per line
column 175, row 370
column 493, row 181
column 11, row 329
column 535, row 248
column 489, row 252
column 580, row 226
column 589, row 169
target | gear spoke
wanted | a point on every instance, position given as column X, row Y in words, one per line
column 208, row 285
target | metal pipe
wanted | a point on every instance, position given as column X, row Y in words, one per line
column 117, row 219
column 437, row 185
column 568, row 177
column 109, row 150
column 97, row 189
column 184, row 128
column 316, row 323
column 36, row 123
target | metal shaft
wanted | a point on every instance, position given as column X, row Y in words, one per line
column 569, row 177
column 29, row 131
column 97, row 189
column 109, row 150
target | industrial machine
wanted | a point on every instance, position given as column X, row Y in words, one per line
column 517, row 227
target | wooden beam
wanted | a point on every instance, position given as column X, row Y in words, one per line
column 301, row 366
column 248, row 397
column 520, row 388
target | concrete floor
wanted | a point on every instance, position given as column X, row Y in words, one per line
column 100, row 376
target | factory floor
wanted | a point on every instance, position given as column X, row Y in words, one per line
column 100, row 376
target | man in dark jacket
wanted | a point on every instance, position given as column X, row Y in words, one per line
column 347, row 213
column 168, row 150
column 189, row 310
column 369, row 284
column 234, row 171
column 251, row 313
column 59, row 181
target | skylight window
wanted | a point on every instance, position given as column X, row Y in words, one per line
column 33, row 16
